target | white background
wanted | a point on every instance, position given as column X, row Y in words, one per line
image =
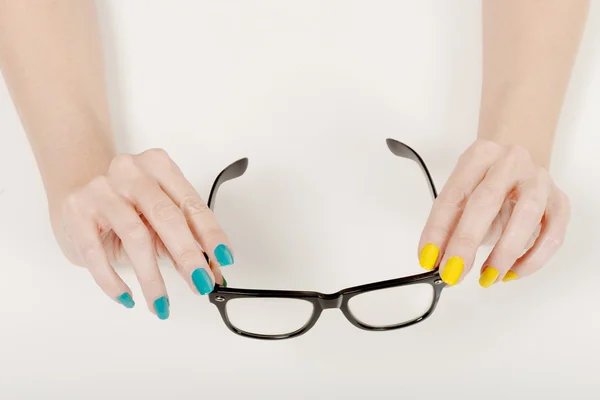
column 309, row 91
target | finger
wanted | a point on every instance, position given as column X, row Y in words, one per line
column 499, row 224
column 448, row 207
column 521, row 227
column 219, row 278
column 169, row 224
column 82, row 228
column 534, row 237
column 554, row 227
column 201, row 219
column 137, row 242
column 482, row 207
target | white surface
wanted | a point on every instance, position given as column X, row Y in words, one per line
column 308, row 91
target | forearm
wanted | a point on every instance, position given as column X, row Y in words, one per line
column 529, row 48
column 51, row 60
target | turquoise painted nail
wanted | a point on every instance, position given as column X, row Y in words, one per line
column 202, row 281
column 126, row 300
column 161, row 306
column 223, row 254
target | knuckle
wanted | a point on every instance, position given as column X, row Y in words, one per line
column 157, row 156
column 213, row 233
column 151, row 280
column 533, row 206
column 157, row 153
column 89, row 253
column 560, row 205
column 500, row 170
column 122, row 163
column 487, row 194
column 555, row 241
column 517, row 152
column 453, row 197
column 540, row 181
column 466, row 156
column 72, row 201
column 99, row 183
column 141, row 187
column 165, row 210
column 484, row 147
column 466, row 241
column 190, row 258
column 76, row 205
column 543, row 177
column 517, row 158
column 507, row 252
column 193, row 206
column 136, row 233
column 480, row 149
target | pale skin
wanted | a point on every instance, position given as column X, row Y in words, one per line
column 108, row 208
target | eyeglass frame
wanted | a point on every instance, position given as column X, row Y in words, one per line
column 221, row 295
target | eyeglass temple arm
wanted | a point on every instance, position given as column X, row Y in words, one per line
column 238, row 168
column 234, row 170
column 401, row 150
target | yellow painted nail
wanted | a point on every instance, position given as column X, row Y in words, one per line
column 429, row 256
column 453, row 270
column 488, row 277
column 510, row 275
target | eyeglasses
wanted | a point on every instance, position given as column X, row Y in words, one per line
column 283, row 314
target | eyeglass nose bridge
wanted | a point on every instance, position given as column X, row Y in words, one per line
column 330, row 301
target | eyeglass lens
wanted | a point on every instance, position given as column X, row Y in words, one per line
column 377, row 308
column 392, row 306
column 269, row 315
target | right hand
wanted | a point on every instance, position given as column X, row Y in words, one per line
column 142, row 210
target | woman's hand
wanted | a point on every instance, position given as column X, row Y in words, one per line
column 143, row 209
column 495, row 195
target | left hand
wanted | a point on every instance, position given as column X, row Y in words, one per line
column 495, row 195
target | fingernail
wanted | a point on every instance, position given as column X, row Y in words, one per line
column 453, row 270
column 224, row 282
column 510, row 275
column 126, row 300
column 488, row 277
column 161, row 306
column 223, row 254
column 202, row 281
column 428, row 257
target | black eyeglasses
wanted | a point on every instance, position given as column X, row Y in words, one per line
column 283, row 314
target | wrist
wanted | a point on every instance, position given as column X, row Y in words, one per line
column 540, row 152
column 64, row 168
column 536, row 138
